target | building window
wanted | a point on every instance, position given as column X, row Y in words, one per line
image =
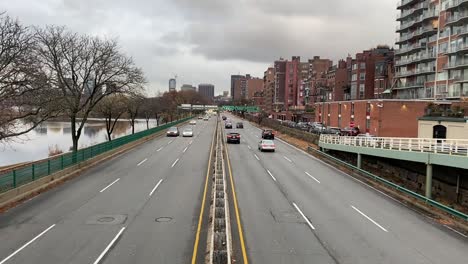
column 361, row 91
column 353, row 91
column 354, row 77
column 362, row 76
column 362, row 66
column 354, row 66
column 352, row 111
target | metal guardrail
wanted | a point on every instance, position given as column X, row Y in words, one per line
column 10, row 179
column 457, row 147
column 397, row 187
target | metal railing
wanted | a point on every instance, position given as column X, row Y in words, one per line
column 10, row 179
column 440, row 146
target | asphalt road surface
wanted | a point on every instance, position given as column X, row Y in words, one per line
column 141, row 207
column 296, row 209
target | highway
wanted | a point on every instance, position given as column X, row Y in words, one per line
column 144, row 207
column 140, row 207
column 296, row 209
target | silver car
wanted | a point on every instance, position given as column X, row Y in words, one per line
column 266, row 145
column 188, row 132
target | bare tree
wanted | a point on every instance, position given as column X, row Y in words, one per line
column 24, row 102
column 111, row 108
column 84, row 70
column 133, row 105
column 147, row 110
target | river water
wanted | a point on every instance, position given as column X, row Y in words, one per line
column 37, row 143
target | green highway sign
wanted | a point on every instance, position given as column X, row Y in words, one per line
column 240, row 108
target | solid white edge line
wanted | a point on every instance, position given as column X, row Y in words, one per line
column 286, row 158
column 155, row 187
column 303, row 216
column 461, row 234
column 27, row 244
column 159, row 149
column 370, row 219
column 141, row 162
column 308, row 174
column 273, row 177
column 175, row 162
column 256, row 157
column 109, row 185
column 109, row 246
column 185, row 149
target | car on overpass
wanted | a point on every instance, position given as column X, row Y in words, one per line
column 233, row 138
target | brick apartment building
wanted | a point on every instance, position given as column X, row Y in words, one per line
column 254, row 85
column 431, row 60
column 379, row 117
column 280, row 84
column 268, row 90
column 235, row 78
column 363, row 73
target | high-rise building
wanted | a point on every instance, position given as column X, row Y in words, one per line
column 317, row 78
column 431, row 60
column 254, row 85
column 206, row 90
column 291, row 81
column 268, row 89
column 188, row 87
column 280, row 83
column 234, row 78
column 172, row 85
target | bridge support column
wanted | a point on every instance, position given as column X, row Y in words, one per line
column 359, row 160
column 429, row 181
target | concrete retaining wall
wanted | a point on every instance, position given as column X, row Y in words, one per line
column 411, row 175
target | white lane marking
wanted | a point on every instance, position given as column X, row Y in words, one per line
column 27, row 244
column 190, row 143
column 256, row 136
column 303, row 216
column 109, row 185
column 256, row 157
column 308, row 174
column 286, row 158
column 249, row 147
column 370, row 219
column 109, row 246
column 141, row 162
column 185, row 149
column 341, row 172
column 155, row 187
column 273, row 177
column 175, row 162
column 159, row 149
column 170, row 142
column 461, row 234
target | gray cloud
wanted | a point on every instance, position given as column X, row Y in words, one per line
column 207, row 40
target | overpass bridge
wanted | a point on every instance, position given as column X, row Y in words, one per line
column 444, row 152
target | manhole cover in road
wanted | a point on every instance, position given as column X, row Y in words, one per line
column 106, row 219
column 163, row 219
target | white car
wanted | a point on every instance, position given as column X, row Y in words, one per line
column 188, row 132
column 193, row 122
column 266, row 145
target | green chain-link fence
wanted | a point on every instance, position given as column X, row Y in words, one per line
column 11, row 179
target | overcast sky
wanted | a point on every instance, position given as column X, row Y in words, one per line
column 205, row 41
